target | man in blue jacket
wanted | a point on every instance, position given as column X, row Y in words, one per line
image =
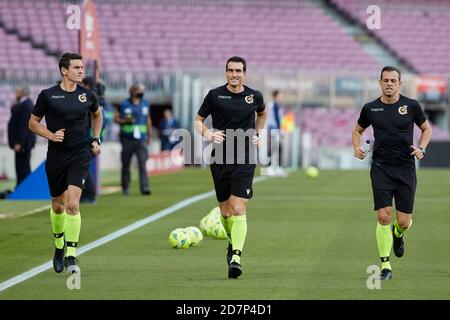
column 135, row 123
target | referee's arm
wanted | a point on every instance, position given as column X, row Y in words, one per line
column 424, row 140
column 356, row 141
column 261, row 118
column 96, row 122
column 35, row 126
column 96, row 125
column 200, row 127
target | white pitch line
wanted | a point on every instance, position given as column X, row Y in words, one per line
column 46, row 207
column 97, row 243
column 345, row 198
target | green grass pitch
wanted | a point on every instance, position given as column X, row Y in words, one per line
column 307, row 239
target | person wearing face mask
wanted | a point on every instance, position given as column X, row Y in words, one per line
column 133, row 116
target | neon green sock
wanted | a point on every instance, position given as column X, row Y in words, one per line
column 399, row 230
column 58, row 220
column 384, row 242
column 238, row 234
column 73, row 226
column 226, row 225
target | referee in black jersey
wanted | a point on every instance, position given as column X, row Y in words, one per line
column 238, row 115
column 66, row 108
column 393, row 171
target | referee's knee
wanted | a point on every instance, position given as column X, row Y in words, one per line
column 57, row 206
column 384, row 216
column 238, row 209
column 225, row 211
column 72, row 207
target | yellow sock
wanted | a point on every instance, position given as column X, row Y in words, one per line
column 238, row 234
column 73, row 226
column 384, row 242
column 58, row 223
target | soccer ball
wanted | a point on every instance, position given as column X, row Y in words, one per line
column 179, row 238
column 203, row 225
column 214, row 225
column 211, row 225
column 312, row 172
column 219, row 232
column 196, row 235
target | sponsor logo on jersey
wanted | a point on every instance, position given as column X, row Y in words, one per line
column 403, row 110
column 249, row 99
column 58, row 97
column 82, row 97
column 224, row 97
column 376, row 109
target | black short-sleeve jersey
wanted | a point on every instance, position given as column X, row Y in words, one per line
column 234, row 111
column 69, row 111
column 393, row 126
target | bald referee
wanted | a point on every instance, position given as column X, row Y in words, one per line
column 238, row 114
column 66, row 108
column 393, row 171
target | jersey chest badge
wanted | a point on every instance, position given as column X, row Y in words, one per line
column 249, row 99
column 403, row 110
column 82, row 97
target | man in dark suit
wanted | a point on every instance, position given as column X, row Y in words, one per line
column 20, row 138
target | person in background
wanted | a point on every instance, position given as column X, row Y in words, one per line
column 20, row 138
column 89, row 193
column 135, row 122
column 167, row 126
column 275, row 114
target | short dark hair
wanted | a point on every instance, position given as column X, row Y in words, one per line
column 237, row 59
column 65, row 59
column 275, row 93
column 388, row 69
column 134, row 86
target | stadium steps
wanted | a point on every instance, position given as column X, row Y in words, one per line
column 29, row 38
column 361, row 34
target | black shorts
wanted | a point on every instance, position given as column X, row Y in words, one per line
column 398, row 182
column 67, row 168
column 233, row 179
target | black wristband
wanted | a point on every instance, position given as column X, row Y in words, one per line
column 96, row 140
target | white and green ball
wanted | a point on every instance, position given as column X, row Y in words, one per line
column 215, row 226
column 203, row 225
column 196, row 235
column 211, row 225
column 179, row 238
column 219, row 232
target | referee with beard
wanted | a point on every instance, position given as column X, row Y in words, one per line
column 393, row 171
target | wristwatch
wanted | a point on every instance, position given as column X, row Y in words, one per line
column 423, row 150
column 97, row 140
